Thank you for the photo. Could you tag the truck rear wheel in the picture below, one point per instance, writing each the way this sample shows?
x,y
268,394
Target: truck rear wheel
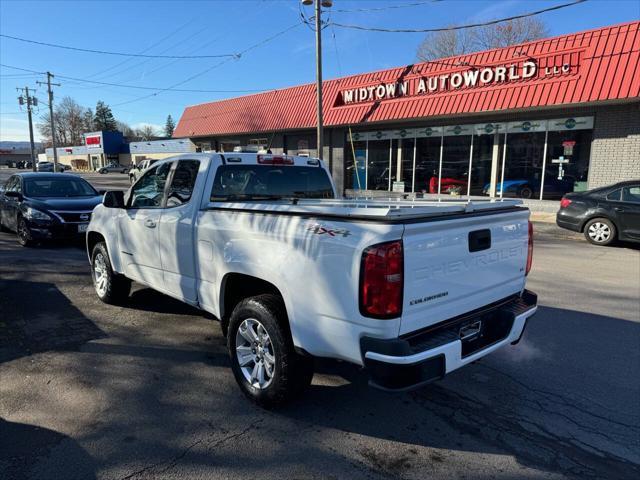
x,y
263,359
110,287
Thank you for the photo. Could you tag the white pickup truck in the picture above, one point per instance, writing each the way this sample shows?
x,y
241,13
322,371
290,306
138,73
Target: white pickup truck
x,y
411,290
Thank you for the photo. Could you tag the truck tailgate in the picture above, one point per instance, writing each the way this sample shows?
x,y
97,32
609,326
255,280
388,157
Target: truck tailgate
x,y
454,266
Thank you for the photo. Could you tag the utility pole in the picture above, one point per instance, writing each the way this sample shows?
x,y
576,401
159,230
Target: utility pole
x,y
318,12
320,133
53,130
30,101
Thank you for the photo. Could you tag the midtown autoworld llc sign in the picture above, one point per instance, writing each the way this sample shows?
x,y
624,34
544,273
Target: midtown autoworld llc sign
x,y
447,82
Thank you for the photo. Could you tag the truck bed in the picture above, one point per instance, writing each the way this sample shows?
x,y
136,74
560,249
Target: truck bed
x,y
375,210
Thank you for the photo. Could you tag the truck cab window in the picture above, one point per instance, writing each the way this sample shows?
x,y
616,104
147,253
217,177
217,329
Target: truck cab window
x,y
148,192
246,182
184,179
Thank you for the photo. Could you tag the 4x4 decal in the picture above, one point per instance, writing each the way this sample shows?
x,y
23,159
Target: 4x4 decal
x,y
332,232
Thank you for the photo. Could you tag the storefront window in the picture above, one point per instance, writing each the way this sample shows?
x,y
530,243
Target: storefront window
x,y
483,152
455,160
378,167
466,157
406,151
567,162
356,172
427,161
523,165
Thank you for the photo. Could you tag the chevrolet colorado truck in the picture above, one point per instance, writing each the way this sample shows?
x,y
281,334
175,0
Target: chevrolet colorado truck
x,y
409,290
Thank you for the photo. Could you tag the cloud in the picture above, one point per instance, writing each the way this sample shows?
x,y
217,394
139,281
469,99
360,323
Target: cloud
x,y
155,126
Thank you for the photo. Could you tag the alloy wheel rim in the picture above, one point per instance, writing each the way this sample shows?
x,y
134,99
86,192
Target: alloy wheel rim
x,y
100,274
599,232
254,352
22,231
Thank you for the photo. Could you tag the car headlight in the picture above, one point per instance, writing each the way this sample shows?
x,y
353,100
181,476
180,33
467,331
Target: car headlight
x,y
33,214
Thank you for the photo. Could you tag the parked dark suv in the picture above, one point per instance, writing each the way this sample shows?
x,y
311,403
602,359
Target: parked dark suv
x,y
605,214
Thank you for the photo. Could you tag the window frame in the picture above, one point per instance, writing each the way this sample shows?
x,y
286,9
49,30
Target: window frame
x,y
174,167
618,190
628,187
163,201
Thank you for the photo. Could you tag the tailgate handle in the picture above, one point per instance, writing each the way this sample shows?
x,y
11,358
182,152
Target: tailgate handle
x,y
479,240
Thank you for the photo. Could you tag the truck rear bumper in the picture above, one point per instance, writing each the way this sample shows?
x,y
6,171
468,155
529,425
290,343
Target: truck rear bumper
x,y
421,357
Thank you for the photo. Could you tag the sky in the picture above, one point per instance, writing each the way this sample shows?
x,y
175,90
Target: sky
x,y
218,27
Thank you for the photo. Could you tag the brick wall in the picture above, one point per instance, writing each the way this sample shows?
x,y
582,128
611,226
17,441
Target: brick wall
x,y
615,149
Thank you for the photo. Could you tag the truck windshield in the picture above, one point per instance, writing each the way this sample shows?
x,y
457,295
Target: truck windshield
x,y
58,187
264,182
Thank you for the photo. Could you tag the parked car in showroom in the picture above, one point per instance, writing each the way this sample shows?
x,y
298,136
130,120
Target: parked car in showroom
x,y
135,172
530,187
49,167
113,167
604,214
41,206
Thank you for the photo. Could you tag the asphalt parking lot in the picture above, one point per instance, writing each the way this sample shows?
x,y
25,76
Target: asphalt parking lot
x,y
145,391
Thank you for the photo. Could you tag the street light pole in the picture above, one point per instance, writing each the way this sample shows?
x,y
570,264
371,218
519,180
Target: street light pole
x,y
318,22
320,133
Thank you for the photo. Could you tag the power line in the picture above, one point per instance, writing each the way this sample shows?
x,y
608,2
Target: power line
x,y
21,69
121,54
122,85
138,87
388,7
459,27
154,44
219,64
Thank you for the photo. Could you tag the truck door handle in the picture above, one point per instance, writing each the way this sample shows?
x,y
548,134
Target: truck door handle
x,y
149,223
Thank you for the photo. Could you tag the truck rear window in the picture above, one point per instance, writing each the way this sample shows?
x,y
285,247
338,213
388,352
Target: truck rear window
x,y
259,182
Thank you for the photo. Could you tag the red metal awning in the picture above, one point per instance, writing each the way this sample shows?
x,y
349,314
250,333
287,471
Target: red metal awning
x,y
586,67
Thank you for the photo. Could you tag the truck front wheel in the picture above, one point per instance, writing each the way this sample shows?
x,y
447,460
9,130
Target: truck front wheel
x,y
264,361
110,287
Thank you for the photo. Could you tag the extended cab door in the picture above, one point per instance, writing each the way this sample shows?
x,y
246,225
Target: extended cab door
x,y
138,227
176,230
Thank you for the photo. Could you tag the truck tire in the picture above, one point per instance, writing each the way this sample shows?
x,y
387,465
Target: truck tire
x,y
111,287
263,359
600,231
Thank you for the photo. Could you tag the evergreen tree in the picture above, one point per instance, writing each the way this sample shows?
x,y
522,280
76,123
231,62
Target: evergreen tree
x,y
103,119
169,127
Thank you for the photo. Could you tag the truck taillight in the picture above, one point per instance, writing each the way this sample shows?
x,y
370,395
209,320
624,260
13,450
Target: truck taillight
x,y
530,249
275,160
565,202
381,280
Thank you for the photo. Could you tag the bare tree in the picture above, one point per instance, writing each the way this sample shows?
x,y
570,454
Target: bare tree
x,y
126,130
449,43
519,30
146,132
69,121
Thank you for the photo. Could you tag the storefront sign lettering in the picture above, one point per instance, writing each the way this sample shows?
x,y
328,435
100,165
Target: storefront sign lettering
x,y
473,77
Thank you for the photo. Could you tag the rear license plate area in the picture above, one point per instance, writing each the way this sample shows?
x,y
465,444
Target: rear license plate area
x,y
82,228
484,331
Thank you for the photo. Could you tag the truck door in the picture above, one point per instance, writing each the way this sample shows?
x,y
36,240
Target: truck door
x,y
138,226
176,231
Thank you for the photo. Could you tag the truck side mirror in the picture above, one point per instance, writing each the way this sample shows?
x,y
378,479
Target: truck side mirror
x,y
113,199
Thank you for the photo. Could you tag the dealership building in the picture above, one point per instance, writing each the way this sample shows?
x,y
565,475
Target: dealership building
x,y
533,120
